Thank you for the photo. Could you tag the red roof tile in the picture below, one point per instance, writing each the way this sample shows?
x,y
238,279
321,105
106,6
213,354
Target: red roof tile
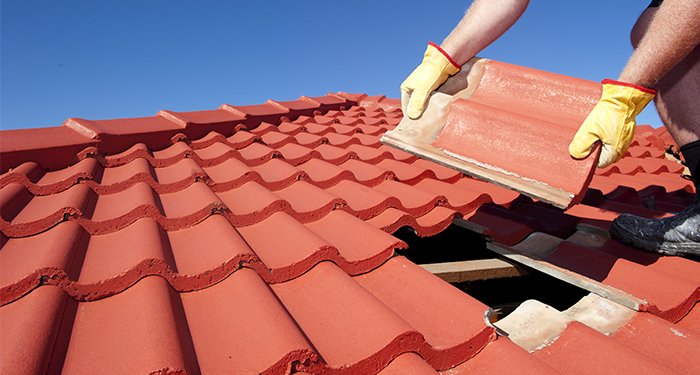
x,y
566,356
131,251
482,115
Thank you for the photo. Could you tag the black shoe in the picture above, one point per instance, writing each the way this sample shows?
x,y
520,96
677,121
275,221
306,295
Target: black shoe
x,y
675,235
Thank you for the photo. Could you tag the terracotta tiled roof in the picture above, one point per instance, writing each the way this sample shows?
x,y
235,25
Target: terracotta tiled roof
x,y
258,239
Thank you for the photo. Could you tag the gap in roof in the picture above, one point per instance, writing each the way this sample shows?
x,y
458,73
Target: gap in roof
x,y
503,293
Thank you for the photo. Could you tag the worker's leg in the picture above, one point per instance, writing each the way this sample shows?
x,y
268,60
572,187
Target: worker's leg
x,y
677,104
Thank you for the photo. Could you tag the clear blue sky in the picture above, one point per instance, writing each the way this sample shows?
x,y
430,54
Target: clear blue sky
x,y
117,59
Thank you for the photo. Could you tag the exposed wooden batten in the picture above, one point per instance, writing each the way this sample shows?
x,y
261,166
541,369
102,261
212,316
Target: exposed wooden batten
x,y
473,270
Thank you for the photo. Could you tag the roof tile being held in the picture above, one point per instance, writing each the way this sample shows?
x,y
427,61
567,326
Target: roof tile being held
x,y
511,126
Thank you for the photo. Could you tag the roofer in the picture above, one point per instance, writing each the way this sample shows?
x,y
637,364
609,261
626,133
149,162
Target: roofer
x,y
665,66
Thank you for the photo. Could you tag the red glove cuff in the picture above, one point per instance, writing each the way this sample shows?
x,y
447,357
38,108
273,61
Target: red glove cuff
x,y
640,88
446,55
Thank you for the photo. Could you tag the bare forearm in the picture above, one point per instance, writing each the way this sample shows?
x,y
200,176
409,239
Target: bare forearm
x,y
672,34
484,22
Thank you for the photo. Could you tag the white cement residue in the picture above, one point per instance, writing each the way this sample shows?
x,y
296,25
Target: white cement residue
x,y
501,170
677,332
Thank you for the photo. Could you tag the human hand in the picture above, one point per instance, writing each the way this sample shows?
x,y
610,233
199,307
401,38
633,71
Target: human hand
x,y
436,67
612,121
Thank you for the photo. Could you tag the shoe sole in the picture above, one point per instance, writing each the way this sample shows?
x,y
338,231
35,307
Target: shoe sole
x,y
665,248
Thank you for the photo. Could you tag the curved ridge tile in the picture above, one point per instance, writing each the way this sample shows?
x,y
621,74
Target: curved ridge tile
x,y
392,219
276,174
298,256
307,139
368,140
369,154
398,154
263,128
333,310
441,172
362,246
169,155
295,154
115,261
163,180
417,202
367,174
407,173
645,152
231,174
26,263
26,173
432,223
257,154
241,139
310,202
40,213
261,338
251,203
316,128
138,150
319,301
40,182
623,168
226,253
435,221
108,264
276,139
340,140
458,198
453,333
362,201
335,155
112,180
408,363
145,323
217,153
110,213
13,198
113,212
177,176
372,127
27,348
290,128
324,174
208,140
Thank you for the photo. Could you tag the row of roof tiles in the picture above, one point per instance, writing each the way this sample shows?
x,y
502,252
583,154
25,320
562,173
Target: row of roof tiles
x,y
145,253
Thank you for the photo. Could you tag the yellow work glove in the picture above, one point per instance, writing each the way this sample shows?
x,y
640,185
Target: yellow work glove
x,y
436,67
612,121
